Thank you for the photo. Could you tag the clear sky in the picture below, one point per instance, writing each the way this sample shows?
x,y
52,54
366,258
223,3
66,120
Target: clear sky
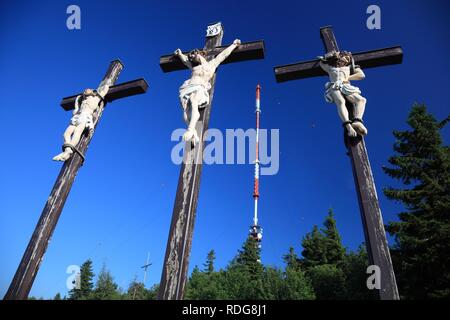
x,y
121,202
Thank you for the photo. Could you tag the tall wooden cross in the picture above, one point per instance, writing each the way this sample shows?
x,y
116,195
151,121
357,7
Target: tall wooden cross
x,y
175,268
375,236
31,260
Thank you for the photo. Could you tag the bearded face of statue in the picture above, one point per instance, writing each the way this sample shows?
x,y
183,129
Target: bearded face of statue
x,y
194,57
339,59
88,92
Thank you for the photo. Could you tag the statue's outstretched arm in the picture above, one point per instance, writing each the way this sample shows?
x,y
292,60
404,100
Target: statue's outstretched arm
x,y
225,53
183,58
358,75
77,104
103,88
325,67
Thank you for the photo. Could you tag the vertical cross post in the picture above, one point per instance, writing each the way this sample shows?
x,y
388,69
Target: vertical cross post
x,y
176,261
375,235
34,253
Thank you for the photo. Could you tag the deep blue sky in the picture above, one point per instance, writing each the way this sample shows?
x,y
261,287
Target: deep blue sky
x,y
121,203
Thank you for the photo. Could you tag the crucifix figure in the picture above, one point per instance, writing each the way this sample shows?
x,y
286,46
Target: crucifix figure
x,y
199,90
194,91
341,67
86,105
93,107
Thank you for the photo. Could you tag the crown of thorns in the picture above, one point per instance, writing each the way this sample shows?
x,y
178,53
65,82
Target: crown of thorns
x,y
336,54
197,51
90,93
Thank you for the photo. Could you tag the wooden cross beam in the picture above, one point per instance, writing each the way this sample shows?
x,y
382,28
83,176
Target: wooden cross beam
x,y
175,268
246,51
119,91
31,260
311,68
366,59
375,236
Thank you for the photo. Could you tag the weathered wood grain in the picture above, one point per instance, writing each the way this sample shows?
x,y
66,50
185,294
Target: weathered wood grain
x,y
119,91
246,51
374,233
366,59
34,253
375,236
176,261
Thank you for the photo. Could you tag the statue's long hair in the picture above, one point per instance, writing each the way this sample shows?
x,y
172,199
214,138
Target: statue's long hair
x,y
92,93
195,52
339,59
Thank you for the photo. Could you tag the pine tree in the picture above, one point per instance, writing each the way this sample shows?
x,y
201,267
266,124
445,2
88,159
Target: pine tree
x,y
328,282
314,248
297,286
152,293
209,265
86,285
195,284
249,257
354,266
244,276
422,164
205,285
292,260
57,296
136,291
105,287
323,256
274,284
334,249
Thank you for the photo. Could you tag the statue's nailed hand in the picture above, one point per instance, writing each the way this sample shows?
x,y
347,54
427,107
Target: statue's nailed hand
x,y
237,42
178,52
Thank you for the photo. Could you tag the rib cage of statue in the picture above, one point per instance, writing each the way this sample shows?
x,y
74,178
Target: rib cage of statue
x,y
86,105
341,69
194,92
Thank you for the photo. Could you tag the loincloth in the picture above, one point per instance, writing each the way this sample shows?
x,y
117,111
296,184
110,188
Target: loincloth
x,y
345,88
83,118
201,92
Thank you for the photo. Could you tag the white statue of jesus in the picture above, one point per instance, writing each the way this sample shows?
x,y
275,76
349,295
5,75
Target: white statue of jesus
x,y
341,70
194,91
86,104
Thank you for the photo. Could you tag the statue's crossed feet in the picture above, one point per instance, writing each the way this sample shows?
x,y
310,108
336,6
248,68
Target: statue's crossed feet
x,y
360,128
63,156
350,131
191,135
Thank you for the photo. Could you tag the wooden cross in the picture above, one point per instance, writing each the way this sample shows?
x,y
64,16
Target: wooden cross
x,y
375,236
29,265
175,268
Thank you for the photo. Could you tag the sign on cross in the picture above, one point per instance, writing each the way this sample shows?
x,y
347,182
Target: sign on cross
x,y
175,268
31,260
375,236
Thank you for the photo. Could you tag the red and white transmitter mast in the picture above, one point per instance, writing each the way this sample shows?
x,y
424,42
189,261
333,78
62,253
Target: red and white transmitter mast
x,y
256,230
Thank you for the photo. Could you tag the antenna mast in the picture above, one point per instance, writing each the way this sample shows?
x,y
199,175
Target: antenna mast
x,y
256,230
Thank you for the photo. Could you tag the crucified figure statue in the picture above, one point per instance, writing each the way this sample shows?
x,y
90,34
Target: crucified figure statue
x,y
86,105
341,69
194,91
